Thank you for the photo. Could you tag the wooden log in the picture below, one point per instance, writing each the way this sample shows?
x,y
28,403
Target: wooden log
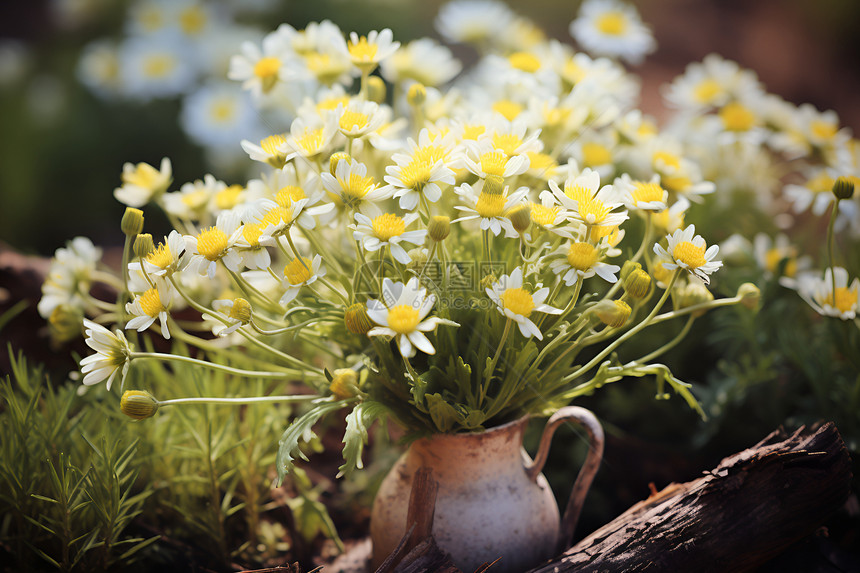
x,y
750,508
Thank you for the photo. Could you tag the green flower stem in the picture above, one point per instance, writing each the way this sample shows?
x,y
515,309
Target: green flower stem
x,y
626,336
495,360
252,292
669,345
327,256
211,365
381,269
250,400
108,279
100,304
485,246
429,258
695,308
292,360
123,294
833,213
646,239
208,346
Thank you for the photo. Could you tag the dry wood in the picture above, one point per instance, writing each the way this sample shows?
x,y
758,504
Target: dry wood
x,y
749,509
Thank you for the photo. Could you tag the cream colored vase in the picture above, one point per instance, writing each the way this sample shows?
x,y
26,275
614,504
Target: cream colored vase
x,y
492,502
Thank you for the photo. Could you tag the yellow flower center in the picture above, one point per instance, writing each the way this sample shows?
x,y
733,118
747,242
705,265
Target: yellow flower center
x,y
229,197
593,211
158,65
267,68
541,163
845,299
507,108
150,18
161,257
429,154
331,103
324,67
594,154
352,120
416,174
211,243
287,195
596,233
251,233
354,189
775,256
582,256
192,20
403,318
737,117
669,159
195,199
544,215
311,140
524,61
518,301
222,110
362,51
298,270
387,226
646,192
490,205
707,90
271,144
493,163
277,215
572,71
473,131
689,254
144,175
507,142
823,129
150,303
677,182
612,23
821,183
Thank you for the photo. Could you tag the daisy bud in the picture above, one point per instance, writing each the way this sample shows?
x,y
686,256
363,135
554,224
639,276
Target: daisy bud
x,y
356,319
612,313
693,293
138,404
132,221
143,245
637,283
417,95
749,295
488,281
494,185
439,228
661,274
375,89
241,310
344,384
418,258
337,158
65,323
521,217
843,188
627,268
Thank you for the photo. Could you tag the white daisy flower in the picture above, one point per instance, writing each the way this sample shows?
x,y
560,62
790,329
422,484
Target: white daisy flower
x,y
819,294
588,202
70,276
816,193
403,314
596,150
192,199
113,355
549,214
299,272
271,150
518,304
490,208
387,230
483,159
710,83
156,67
98,68
249,245
770,253
234,312
424,61
677,174
218,115
142,182
351,188
309,137
261,70
214,244
686,250
581,260
359,118
421,170
473,21
612,28
152,305
165,260
366,52
671,219
643,195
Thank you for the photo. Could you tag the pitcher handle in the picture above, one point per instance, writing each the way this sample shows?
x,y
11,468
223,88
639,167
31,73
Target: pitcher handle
x,y
586,475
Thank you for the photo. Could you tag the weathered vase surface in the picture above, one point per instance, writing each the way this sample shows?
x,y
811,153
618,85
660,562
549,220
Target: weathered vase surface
x,y
487,507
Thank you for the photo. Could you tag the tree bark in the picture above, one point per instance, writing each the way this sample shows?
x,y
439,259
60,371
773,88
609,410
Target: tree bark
x,y
749,509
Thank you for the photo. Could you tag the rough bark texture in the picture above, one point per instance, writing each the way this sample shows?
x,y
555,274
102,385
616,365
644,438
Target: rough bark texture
x,y
746,511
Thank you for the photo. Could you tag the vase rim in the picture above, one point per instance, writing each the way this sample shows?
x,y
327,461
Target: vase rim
x,y
495,430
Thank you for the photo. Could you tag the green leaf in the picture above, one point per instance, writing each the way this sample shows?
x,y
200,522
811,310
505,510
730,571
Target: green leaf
x,y
301,430
355,436
443,414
